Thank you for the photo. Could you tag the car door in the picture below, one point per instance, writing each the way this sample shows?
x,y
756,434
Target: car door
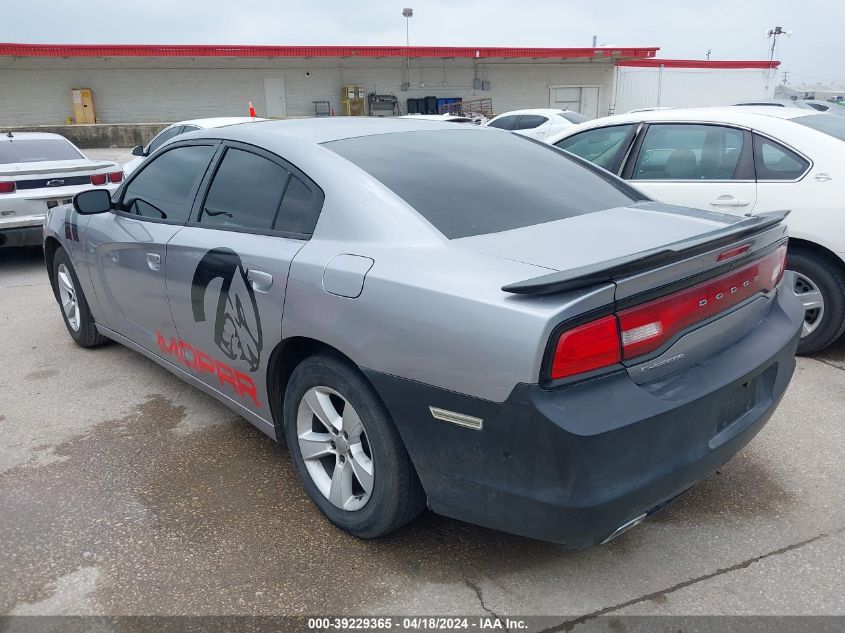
x,y
227,270
126,249
698,165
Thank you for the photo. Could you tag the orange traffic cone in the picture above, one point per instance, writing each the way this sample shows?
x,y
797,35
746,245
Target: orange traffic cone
x,y
251,110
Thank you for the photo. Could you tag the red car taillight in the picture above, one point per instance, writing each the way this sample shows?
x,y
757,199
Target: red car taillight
x,y
99,179
645,328
7,187
116,176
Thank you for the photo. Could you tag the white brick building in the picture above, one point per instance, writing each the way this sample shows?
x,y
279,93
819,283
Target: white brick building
x,y
134,84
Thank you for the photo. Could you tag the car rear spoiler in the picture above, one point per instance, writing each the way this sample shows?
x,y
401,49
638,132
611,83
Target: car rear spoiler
x,y
613,269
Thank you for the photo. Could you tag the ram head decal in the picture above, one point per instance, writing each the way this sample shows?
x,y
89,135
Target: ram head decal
x,y
237,326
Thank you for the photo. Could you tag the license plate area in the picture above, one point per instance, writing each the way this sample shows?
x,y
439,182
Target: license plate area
x,y
745,403
57,201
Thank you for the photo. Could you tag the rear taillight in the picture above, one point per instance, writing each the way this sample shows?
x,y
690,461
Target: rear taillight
x,y
99,179
116,176
645,328
590,346
7,187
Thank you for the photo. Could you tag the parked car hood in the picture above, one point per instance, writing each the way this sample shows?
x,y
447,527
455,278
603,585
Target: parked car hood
x,y
597,237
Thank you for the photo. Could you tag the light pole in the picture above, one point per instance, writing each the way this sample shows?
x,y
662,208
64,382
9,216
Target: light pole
x,y
773,34
407,14
708,54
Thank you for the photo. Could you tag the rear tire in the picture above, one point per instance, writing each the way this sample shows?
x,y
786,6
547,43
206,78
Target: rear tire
x,y
820,284
358,472
77,315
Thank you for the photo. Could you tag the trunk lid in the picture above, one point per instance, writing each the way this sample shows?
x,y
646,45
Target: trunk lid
x,y
19,170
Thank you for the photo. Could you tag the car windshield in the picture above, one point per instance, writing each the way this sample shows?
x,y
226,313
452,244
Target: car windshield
x,y
829,124
574,117
36,150
472,182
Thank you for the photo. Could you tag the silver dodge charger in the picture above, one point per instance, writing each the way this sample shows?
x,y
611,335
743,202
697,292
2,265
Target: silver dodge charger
x,y
440,316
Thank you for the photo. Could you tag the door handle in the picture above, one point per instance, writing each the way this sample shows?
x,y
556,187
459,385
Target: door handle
x,y
154,261
261,281
729,201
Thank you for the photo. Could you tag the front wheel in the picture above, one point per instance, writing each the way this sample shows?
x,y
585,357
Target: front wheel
x,y
347,450
75,311
820,285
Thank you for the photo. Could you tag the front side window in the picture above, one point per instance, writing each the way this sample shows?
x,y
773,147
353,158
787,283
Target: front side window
x,y
688,152
470,182
530,121
245,192
164,136
600,145
164,187
772,161
505,122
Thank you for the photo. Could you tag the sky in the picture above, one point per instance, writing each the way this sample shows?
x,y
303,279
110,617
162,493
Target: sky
x,y
683,29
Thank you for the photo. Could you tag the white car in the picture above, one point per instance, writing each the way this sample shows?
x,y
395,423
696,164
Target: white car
x,y
39,171
744,161
448,118
825,106
140,152
537,123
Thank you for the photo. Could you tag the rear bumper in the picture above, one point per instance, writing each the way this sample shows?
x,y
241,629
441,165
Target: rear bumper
x,y
573,465
22,235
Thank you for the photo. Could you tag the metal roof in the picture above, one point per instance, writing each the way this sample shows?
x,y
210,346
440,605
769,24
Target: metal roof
x,y
653,62
208,50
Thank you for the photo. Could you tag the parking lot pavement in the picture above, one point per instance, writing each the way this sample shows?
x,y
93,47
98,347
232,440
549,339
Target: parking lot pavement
x,y
125,491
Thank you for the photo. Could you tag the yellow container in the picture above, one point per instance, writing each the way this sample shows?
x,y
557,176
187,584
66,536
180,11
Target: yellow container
x,y
83,105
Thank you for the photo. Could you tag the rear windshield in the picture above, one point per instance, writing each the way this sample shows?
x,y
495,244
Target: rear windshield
x,y
473,181
574,117
35,150
830,124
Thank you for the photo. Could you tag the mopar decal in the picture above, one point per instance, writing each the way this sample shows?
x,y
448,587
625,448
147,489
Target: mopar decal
x,y
237,326
198,360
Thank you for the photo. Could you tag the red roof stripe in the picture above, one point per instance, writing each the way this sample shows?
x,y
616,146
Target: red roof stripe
x,y
698,63
197,50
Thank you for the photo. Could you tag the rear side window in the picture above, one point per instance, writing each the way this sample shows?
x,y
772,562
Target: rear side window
x,y
505,122
688,152
530,121
471,182
773,161
600,146
163,137
36,150
245,192
164,187
299,209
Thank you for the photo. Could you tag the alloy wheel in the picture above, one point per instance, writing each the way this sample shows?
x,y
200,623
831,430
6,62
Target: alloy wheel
x,y
67,296
334,446
811,297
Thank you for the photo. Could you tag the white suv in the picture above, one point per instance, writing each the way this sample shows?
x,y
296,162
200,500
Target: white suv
x,y
537,123
743,160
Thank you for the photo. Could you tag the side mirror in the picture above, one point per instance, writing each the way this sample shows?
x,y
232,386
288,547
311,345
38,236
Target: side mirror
x,y
138,150
92,201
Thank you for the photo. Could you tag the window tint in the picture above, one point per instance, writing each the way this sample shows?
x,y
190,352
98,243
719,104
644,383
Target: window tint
x,y
530,121
449,178
245,192
600,146
189,128
831,125
505,122
163,188
573,117
298,213
773,161
688,152
166,135
35,150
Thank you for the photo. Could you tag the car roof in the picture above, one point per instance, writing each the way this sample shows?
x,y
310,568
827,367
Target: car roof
x,y
22,136
219,121
326,129
545,111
